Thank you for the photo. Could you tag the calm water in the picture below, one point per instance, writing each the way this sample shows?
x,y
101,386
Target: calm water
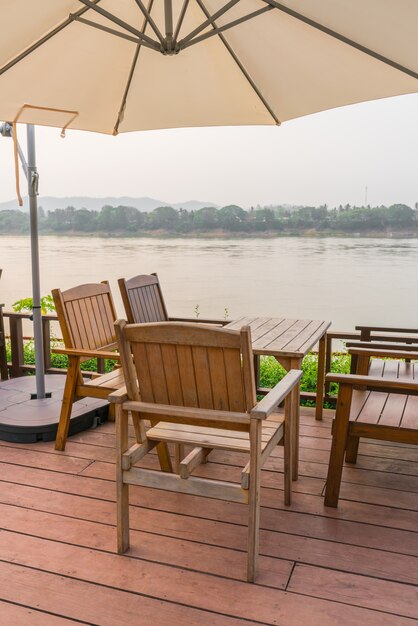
x,y
348,281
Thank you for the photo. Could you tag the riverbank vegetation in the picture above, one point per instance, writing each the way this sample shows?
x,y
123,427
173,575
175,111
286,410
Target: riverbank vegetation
x,y
124,220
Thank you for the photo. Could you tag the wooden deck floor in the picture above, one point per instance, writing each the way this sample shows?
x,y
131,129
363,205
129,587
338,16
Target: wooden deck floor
x,y
353,565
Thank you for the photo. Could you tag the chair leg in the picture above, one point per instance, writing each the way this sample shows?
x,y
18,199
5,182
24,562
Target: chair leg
x,y
287,451
178,455
163,453
338,446
352,449
164,457
295,364
111,413
254,499
122,489
67,402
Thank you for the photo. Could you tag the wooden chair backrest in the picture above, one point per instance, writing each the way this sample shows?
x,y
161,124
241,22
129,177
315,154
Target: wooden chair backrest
x,y
143,299
86,315
188,365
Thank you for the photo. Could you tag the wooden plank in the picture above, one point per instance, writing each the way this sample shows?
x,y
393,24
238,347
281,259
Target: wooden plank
x,y
218,378
372,408
275,329
205,438
188,381
236,394
410,415
296,336
63,595
262,334
314,337
192,460
101,576
178,333
217,523
156,372
192,486
364,591
202,556
172,374
203,383
23,616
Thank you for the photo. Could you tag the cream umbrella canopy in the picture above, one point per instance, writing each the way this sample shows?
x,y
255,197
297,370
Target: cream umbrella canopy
x,y
114,66
124,65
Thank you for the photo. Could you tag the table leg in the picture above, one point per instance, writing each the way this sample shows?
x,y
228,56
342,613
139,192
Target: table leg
x,y
320,386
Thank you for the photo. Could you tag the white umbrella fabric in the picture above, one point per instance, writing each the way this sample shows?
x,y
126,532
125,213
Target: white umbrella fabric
x,y
114,66
124,65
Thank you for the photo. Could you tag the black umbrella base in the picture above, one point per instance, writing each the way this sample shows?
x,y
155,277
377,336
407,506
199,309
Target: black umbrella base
x,y
25,419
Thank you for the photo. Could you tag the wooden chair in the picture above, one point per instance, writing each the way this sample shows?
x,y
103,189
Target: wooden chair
x,y
197,386
379,401
86,315
383,338
143,300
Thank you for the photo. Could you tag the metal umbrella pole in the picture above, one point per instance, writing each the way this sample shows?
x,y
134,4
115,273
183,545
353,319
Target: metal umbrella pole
x,y
31,173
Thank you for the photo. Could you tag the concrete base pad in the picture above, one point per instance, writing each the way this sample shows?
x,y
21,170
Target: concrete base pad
x,y
23,420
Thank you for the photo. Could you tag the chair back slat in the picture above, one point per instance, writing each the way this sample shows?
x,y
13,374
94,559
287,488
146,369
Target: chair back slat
x,y
86,315
143,299
192,365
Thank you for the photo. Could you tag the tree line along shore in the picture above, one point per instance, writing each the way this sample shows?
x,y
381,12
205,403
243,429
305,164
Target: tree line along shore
x,y
125,220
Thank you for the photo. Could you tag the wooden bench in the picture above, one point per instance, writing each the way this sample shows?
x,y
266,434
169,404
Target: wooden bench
x,y
380,401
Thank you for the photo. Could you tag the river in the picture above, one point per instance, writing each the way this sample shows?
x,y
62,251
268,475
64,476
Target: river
x,y
346,280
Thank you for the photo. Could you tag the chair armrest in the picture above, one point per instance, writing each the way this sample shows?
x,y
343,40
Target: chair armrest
x,y
190,414
384,329
396,384
402,353
119,396
87,354
274,397
199,321
371,345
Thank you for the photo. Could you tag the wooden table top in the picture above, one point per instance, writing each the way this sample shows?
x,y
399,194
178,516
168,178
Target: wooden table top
x,y
282,337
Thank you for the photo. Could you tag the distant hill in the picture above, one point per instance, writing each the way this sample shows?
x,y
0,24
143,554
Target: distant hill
x,y
50,203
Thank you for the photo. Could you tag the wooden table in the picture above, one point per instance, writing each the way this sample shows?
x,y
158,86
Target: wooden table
x,y
289,341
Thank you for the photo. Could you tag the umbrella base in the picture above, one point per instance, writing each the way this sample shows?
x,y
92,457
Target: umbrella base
x,y
24,419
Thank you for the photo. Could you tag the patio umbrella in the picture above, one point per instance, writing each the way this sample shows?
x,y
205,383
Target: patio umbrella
x,y
113,66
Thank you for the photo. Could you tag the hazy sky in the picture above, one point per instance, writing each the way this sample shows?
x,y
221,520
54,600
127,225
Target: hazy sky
x,y
328,158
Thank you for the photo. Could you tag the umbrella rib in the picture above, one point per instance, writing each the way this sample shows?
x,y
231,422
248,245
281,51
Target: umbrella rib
x,y
112,31
131,73
180,19
342,38
209,21
238,62
221,29
43,39
119,22
148,17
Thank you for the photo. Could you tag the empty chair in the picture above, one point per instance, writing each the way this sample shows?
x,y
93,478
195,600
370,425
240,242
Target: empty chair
x,y
197,387
86,315
379,401
143,300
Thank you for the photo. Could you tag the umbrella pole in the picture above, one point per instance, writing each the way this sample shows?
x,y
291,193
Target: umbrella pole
x,y
33,177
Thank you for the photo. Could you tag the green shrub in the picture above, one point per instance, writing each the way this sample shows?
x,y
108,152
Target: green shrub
x,y
271,372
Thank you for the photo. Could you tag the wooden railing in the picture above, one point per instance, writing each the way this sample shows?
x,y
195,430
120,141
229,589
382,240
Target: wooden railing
x,y
17,366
